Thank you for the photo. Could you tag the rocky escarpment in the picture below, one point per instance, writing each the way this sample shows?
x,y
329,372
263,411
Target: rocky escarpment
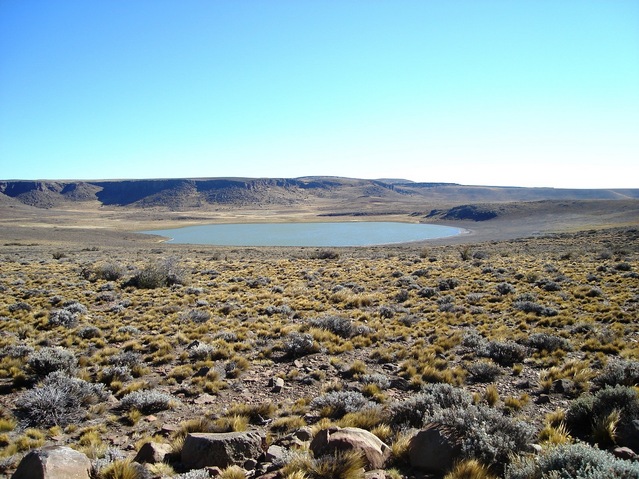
x,y
180,194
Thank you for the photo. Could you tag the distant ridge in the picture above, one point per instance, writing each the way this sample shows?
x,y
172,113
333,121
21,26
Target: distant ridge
x,y
189,193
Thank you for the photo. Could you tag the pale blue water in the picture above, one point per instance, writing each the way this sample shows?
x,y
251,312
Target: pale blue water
x,y
306,234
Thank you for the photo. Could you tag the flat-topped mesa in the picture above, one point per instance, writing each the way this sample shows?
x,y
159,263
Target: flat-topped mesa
x,y
184,193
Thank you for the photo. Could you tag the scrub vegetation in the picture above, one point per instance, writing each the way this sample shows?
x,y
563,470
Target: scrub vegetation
x,y
507,344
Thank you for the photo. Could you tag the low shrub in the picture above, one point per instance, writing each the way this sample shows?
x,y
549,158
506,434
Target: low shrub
x,y
197,316
68,315
486,434
505,353
89,332
52,359
380,380
433,397
619,372
617,406
337,403
131,359
159,274
505,288
324,254
447,284
483,372
108,271
573,461
59,401
147,401
547,342
533,307
297,345
336,324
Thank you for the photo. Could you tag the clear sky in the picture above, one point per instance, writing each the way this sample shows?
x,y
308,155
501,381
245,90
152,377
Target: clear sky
x,y
510,92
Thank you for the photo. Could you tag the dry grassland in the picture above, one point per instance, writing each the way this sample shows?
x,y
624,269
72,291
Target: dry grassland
x,y
152,341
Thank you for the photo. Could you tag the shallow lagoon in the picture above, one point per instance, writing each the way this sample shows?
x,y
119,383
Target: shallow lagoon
x,y
365,233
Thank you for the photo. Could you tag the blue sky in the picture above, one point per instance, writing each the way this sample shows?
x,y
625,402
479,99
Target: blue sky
x,y
524,93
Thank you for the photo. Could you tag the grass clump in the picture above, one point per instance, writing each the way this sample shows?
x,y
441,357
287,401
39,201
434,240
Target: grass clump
x,y
340,465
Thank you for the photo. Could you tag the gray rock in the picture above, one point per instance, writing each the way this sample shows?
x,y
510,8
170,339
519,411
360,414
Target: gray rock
x,y
221,449
276,384
53,462
628,434
335,439
275,453
624,453
434,449
152,453
376,474
303,434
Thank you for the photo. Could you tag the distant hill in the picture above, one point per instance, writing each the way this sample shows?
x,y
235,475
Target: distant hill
x,y
186,194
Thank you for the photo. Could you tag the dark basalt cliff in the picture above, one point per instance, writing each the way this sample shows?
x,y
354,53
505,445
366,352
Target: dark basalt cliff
x,y
179,194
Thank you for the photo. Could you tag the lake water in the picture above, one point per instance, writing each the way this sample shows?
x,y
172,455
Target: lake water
x,y
306,234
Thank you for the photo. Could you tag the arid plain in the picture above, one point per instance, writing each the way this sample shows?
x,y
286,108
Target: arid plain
x,y
518,338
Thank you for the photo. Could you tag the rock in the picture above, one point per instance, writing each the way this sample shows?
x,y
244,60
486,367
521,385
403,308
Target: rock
x,y
535,449
564,386
53,462
401,383
334,439
434,449
275,453
543,399
624,453
376,474
303,434
204,398
628,434
221,449
276,384
152,453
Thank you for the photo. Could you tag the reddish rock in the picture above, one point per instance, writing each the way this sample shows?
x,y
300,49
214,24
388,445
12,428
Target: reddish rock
x,y
335,439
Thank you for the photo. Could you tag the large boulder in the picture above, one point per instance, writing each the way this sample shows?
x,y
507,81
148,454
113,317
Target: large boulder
x,y
221,449
53,462
336,439
152,453
434,449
